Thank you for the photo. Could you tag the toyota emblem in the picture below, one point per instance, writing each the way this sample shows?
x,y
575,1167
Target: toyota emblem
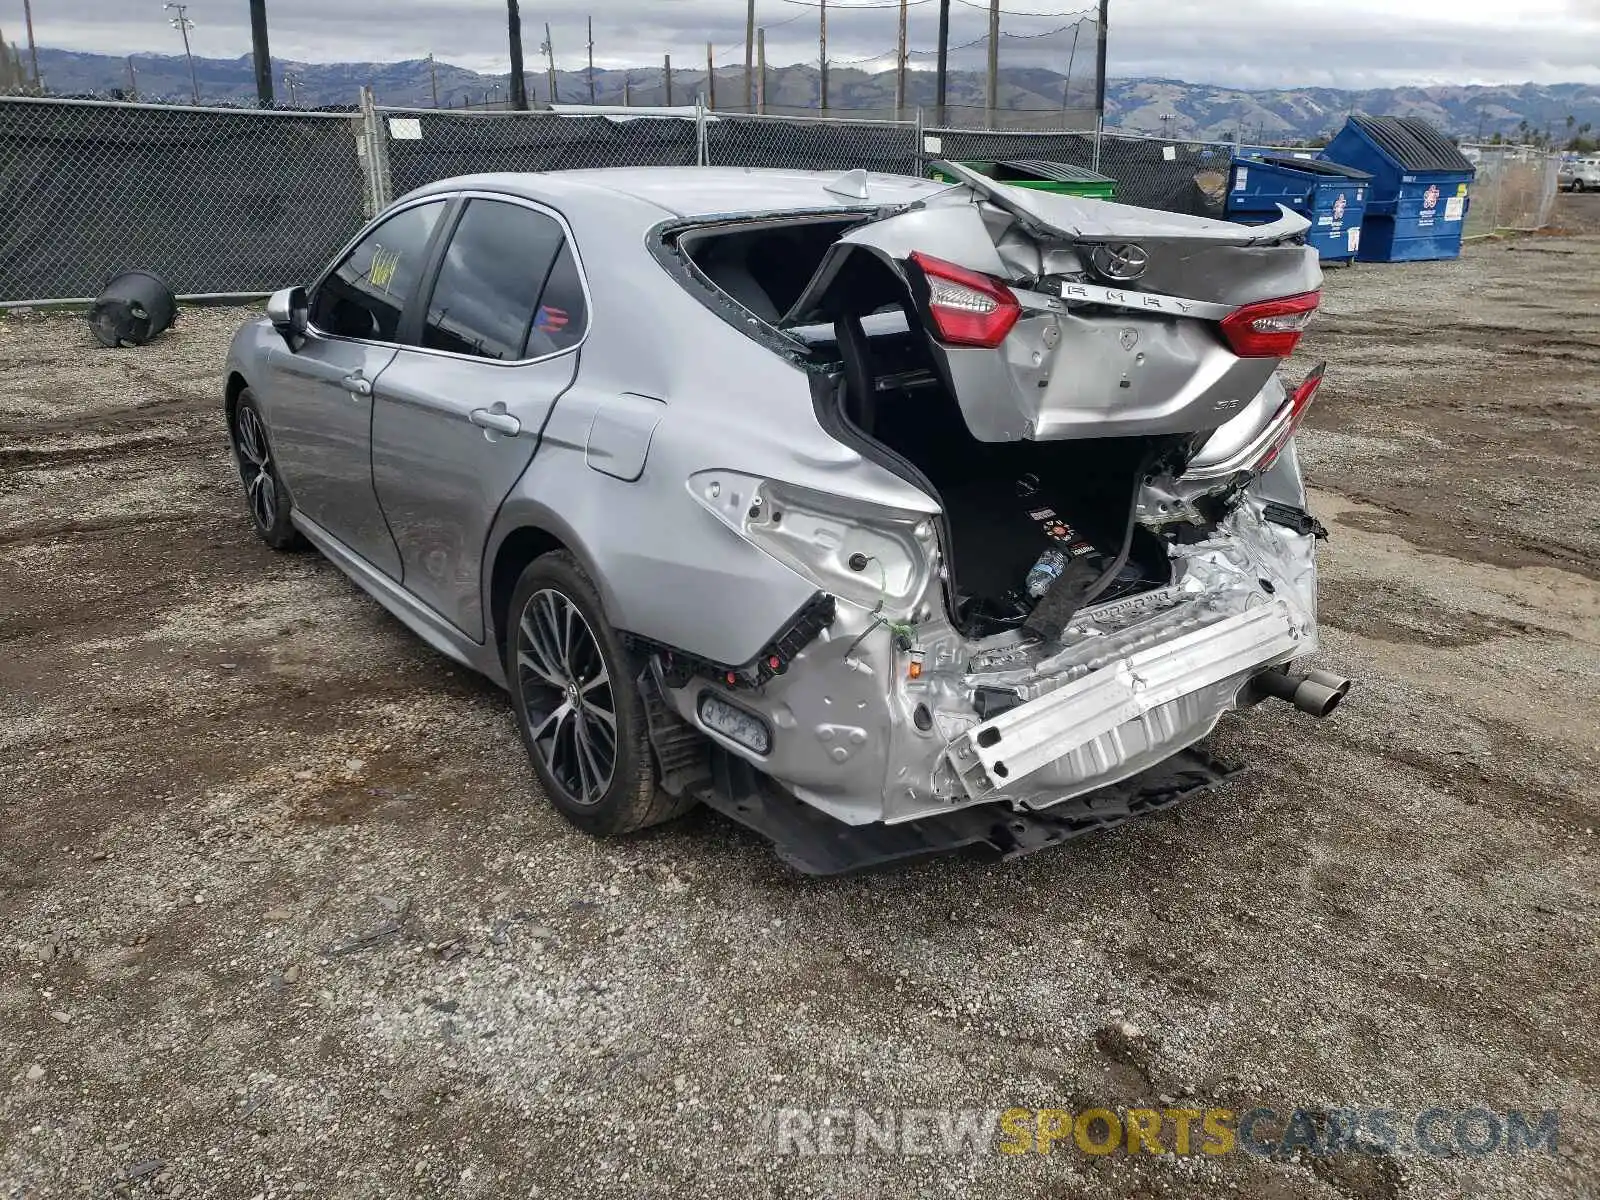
x,y
1123,261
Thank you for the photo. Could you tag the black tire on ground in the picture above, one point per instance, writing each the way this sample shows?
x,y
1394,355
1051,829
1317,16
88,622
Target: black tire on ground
x,y
572,683
265,496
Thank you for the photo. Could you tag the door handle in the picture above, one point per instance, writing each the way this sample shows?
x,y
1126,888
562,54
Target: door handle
x,y
357,384
499,422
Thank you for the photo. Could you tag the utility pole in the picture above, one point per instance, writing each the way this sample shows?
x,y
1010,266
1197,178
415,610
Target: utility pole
x,y
942,77
591,60
519,82
666,76
549,49
711,80
992,99
433,78
749,55
1100,81
262,55
900,66
133,80
822,36
761,71
33,49
182,24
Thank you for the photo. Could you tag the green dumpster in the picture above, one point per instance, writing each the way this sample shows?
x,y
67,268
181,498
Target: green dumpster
x,y
1045,176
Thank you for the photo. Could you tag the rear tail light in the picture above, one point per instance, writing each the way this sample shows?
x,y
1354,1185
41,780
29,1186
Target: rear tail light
x,y
1299,400
967,309
1270,329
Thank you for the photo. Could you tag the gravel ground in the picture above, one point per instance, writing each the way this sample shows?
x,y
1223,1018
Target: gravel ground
x,y
282,913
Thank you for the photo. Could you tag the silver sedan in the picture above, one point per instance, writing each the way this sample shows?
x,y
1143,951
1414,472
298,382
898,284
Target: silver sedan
x,y
883,515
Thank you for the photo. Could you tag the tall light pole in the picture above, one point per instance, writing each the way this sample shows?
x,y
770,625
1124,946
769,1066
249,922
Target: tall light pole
x,y
260,53
900,67
992,92
749,57
33,50
1100,81
822,59
942,79
182,24
519,82
289,82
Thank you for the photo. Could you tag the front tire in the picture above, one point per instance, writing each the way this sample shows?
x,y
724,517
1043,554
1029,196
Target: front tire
x,y
264,492
1577,185
579,711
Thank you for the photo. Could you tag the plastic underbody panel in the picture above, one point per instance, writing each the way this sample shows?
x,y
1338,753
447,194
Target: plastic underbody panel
x,y
816,844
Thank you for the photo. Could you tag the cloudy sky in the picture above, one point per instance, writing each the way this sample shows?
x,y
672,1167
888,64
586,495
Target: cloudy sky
x,y
1242,43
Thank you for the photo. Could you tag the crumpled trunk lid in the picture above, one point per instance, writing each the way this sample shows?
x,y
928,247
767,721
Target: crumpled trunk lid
x,y
1118,331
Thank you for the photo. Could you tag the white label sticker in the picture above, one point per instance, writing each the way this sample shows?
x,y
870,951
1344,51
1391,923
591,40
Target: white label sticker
x,y
932,144
1240,178
405,129
1454,206
1353,239
1170,153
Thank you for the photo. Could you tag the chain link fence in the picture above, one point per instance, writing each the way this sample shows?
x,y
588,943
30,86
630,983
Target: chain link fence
x,y
239,202
216,201
1515,188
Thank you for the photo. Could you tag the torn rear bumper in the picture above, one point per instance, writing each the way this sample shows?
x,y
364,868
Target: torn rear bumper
x,y
1092,727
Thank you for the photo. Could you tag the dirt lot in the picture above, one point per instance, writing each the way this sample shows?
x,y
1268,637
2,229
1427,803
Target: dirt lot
x,y
281,912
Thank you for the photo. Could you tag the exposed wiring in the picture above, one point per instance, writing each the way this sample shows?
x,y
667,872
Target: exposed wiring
x,y
900,631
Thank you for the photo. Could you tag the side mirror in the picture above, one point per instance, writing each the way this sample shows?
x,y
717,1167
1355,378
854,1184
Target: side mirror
x,y
286,310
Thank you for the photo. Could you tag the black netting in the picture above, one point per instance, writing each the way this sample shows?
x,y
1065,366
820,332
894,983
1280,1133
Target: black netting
x,y
210,201
811,145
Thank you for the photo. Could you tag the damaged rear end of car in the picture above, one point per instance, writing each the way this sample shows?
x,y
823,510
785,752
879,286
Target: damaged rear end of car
x,y
1114,552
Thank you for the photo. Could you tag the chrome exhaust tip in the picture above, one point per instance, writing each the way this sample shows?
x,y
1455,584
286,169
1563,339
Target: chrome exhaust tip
x,y
1315,692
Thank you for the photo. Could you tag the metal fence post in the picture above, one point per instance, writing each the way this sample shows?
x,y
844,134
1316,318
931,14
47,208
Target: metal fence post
x,y
375,156
917,128
702,150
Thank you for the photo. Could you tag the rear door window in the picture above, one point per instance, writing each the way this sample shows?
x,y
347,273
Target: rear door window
x,y
366,294
487,300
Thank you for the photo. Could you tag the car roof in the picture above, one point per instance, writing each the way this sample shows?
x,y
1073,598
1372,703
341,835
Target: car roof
x,y
704,191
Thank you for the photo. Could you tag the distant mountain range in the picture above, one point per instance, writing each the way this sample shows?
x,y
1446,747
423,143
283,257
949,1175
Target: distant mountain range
x,y
1027,97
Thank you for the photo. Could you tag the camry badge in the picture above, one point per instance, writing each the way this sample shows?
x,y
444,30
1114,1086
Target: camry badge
x,y
1123,262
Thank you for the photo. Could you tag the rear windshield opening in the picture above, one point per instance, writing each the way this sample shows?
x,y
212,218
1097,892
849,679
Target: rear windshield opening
x,y
764,266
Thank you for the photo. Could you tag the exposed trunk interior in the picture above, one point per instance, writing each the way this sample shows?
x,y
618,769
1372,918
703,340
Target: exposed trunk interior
x,y
1006,504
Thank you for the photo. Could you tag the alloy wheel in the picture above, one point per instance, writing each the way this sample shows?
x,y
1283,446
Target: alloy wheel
x,y
255,468
567,695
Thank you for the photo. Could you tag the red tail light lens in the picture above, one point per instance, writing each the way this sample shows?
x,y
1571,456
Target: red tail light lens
x,y
1270,329
967,309
1299,400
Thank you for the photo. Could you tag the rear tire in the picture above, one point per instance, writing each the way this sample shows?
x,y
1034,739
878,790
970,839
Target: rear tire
x,y
578,708
1577,185
264,493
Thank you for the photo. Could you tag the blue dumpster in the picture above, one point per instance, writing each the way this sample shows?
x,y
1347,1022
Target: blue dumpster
x,y
1417,207
1331,196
